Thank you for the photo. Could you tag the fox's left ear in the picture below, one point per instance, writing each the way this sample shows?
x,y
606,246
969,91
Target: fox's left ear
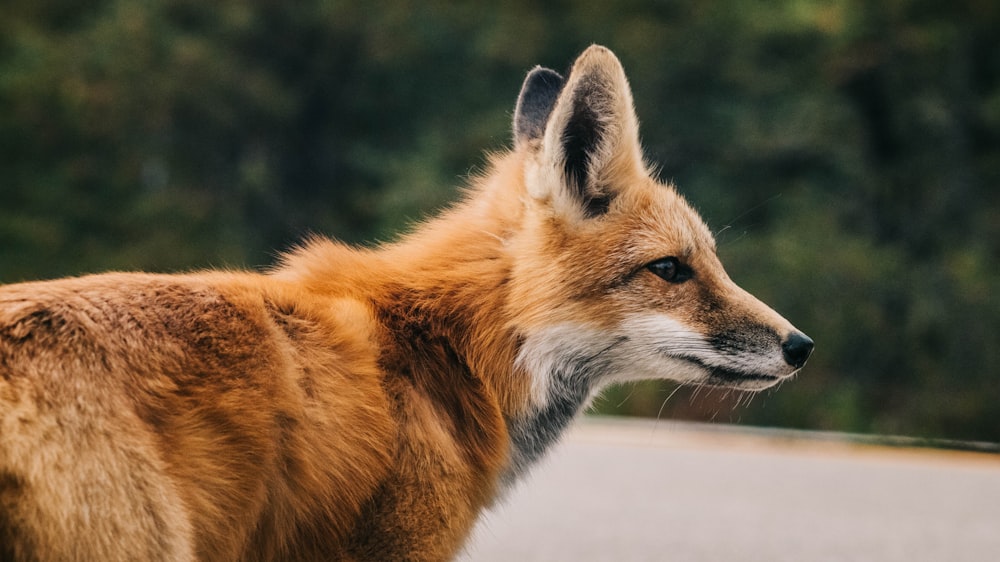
x,y
590,146
534,105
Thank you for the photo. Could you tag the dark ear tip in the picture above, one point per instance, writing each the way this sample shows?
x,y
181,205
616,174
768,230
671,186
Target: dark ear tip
x,y
534,104
547,74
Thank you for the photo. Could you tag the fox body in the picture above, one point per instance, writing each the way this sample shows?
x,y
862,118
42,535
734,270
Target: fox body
x,y
367,404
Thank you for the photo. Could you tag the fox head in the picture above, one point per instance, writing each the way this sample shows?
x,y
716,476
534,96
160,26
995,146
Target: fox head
x,y
641,293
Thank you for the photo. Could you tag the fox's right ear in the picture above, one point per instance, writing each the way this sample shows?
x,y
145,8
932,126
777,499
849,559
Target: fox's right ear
x,y
589,149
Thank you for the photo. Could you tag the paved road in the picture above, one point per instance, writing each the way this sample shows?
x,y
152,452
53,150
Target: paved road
x,y
638,491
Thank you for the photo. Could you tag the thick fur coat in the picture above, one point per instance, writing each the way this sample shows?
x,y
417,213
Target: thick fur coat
x,y
367,404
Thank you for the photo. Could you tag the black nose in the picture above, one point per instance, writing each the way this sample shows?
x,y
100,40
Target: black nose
x,y
796,349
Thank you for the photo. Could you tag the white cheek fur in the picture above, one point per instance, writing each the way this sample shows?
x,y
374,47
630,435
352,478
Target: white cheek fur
x,y
569,363
643,346
545,352
667,337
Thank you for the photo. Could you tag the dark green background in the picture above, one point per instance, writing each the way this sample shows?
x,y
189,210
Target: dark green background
x,y
847,153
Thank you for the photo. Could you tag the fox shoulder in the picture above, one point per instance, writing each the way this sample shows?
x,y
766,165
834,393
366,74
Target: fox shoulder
x,y
246,377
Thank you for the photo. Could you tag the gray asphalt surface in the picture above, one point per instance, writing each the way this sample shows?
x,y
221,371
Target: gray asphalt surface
x,y
637,491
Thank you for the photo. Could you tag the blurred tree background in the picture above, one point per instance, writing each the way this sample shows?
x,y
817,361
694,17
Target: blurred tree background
x,y
847,153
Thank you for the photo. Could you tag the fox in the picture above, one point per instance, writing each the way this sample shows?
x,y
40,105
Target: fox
x,y
368,403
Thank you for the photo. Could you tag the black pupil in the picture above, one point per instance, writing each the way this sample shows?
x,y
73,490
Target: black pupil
x,y
665,268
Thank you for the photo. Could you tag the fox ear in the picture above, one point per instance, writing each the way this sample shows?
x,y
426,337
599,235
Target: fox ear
x,y
538,96
590,147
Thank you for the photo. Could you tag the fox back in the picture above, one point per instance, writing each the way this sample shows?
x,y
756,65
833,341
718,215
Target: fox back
x,y
367,404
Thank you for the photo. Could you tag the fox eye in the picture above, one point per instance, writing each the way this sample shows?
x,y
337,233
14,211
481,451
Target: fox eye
x,y
670,270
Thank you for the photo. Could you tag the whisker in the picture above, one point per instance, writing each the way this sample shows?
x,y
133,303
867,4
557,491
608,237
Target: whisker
x,y
754,208
742,235
627,396
664,405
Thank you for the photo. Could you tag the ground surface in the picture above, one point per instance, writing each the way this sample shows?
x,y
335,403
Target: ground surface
x,y
634,491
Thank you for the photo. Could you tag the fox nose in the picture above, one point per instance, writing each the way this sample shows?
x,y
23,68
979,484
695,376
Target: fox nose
x,y
796,349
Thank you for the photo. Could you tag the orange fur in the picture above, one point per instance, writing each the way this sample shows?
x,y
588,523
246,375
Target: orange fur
x,y
359,404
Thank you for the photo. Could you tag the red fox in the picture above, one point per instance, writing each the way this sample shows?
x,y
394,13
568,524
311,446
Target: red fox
x,y
367,404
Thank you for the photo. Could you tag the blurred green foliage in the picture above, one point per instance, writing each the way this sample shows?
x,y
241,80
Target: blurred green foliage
x,y
847,153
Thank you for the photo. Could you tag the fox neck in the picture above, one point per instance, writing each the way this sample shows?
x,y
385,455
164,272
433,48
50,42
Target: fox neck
x,y
448,282
539,383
